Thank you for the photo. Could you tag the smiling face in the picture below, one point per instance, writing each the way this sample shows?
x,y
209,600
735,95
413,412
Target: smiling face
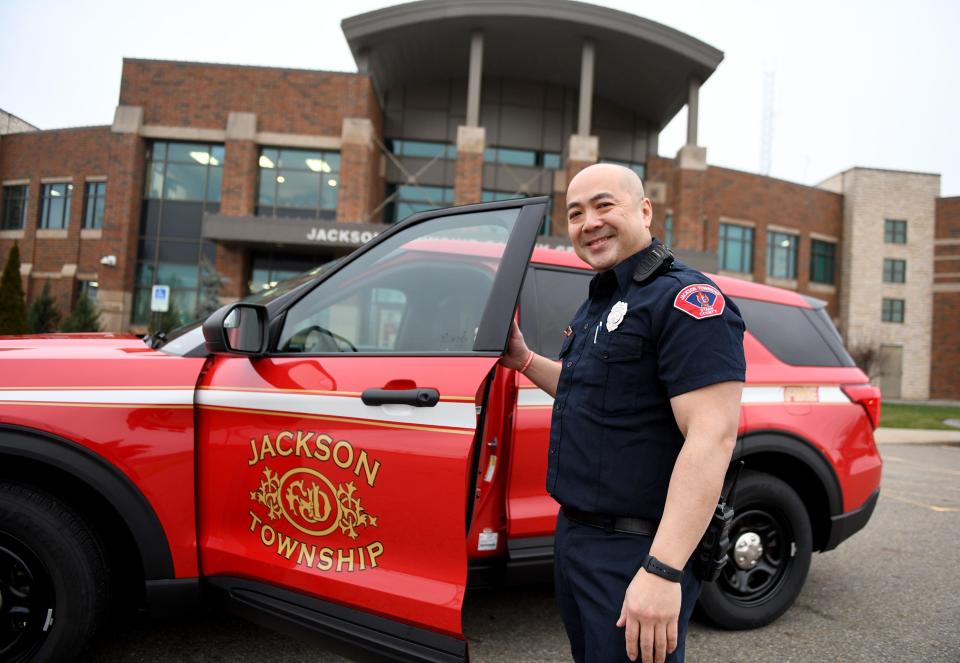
x,y
608,216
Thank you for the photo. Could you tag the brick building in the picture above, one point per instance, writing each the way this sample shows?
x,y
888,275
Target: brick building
x,y
219,180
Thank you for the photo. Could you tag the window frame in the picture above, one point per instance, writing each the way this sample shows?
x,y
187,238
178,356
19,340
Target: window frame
x,y
830,256
5,201
893,310
46,203
152,160
746,252
99,200
774,236
894,231
274,209
894,270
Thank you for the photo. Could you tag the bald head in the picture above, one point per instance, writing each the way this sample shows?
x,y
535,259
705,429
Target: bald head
x,y
628,181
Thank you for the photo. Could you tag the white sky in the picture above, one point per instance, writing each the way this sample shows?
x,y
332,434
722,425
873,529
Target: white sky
x,y
856,83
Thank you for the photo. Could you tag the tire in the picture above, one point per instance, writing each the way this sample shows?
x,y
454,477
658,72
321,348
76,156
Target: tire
x,y
745,596
53,577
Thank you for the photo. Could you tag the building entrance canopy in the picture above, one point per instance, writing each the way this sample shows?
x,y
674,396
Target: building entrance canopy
x,y
643,65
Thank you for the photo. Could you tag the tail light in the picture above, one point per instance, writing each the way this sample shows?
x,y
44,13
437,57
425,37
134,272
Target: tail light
x,y
868,396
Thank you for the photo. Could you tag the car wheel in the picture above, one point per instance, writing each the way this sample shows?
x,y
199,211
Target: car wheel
x,y
53,579
771,544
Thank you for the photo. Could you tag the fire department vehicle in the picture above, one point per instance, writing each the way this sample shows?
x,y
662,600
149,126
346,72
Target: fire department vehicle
x,y
343,452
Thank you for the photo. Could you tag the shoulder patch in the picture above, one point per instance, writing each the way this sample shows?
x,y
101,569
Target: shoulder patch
x,y
700,300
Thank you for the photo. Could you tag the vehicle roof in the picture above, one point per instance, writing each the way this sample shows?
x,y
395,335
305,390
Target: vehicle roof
x,y
731,286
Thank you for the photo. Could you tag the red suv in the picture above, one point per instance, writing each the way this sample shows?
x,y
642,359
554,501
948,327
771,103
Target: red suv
x,y
343,452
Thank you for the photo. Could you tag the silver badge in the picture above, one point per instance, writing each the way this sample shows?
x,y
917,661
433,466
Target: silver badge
x,y
616,315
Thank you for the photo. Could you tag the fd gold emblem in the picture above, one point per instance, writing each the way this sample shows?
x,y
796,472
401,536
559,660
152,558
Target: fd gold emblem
x,y
309,502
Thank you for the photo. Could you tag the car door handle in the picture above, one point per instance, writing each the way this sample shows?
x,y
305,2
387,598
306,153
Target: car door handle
x,y
414,397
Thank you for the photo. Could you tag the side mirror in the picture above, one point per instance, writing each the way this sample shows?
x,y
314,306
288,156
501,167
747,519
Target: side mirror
x,y
237,329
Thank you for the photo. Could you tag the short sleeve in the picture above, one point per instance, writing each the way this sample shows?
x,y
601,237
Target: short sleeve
x,y
698,348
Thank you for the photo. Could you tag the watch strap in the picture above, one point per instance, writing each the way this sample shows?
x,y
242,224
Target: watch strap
x,y
653,565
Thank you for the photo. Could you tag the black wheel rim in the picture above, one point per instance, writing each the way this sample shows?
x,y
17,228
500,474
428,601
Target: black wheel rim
x,y
756,585
26,600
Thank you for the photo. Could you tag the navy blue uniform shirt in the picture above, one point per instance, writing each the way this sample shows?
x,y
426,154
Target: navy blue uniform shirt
x,y
634,346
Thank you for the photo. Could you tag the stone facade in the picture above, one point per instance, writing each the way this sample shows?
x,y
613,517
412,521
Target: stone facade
x,y
869,198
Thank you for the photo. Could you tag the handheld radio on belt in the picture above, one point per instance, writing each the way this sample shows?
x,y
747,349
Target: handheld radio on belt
x,y
711,554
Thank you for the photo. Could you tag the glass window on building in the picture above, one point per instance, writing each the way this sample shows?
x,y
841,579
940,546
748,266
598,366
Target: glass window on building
x,y
269,269
892,310
487,196
735,248
639,168
423,149
93,203
14,207
668,229
894,231
781,255
551,160
298,183
55,206
184,171
183,182
88,289
510,156
413,198
894,271
823,260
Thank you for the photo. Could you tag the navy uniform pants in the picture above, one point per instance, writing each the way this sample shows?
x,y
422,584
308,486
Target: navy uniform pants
x,y
592,569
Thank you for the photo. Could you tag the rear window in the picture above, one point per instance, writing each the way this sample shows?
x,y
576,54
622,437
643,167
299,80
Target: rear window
x,y
796,336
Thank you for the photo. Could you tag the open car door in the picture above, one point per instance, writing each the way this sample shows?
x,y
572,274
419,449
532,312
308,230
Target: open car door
x,y
336,466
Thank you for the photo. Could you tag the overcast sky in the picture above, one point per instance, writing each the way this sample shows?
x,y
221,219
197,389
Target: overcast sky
x,y
855,83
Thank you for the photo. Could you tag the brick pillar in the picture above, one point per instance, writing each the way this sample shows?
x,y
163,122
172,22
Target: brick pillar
x,y
237,198
582,151
240,165
121,221
689,180
468,181
360,185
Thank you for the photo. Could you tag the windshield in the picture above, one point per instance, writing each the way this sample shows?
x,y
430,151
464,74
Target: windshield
x,y
181,340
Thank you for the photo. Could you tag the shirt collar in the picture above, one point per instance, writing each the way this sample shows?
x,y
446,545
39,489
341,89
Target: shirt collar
x,y
621,275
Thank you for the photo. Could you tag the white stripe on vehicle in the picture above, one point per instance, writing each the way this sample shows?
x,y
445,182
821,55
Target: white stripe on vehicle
x,y
759,395
445,414
99,396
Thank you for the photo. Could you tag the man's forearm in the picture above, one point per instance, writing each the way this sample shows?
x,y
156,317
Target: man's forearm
x,y
695,487
544,373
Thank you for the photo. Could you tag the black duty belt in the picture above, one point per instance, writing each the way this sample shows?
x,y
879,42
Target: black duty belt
x,y
621,524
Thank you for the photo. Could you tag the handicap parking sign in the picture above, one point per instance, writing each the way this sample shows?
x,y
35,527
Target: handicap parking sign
x,y
160,299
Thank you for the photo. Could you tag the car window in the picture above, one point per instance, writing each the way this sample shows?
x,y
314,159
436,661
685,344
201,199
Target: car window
x,y
417,292
796,336
555,296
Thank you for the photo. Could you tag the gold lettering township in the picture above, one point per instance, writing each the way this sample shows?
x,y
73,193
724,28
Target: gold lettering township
x,y
311,556
323,449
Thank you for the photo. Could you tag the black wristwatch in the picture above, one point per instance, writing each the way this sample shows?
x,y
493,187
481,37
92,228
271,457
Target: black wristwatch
x,y
653,565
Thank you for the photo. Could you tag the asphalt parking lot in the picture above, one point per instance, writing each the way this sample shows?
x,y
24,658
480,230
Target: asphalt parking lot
x,y
890,593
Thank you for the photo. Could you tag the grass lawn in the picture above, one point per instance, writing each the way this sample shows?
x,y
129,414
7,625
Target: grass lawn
x,y
897,415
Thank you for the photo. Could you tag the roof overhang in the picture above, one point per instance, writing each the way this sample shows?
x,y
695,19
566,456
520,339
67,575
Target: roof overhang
x,y
641,65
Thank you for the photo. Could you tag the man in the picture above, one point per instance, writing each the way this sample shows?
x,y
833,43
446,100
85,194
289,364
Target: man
x,y
646,409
